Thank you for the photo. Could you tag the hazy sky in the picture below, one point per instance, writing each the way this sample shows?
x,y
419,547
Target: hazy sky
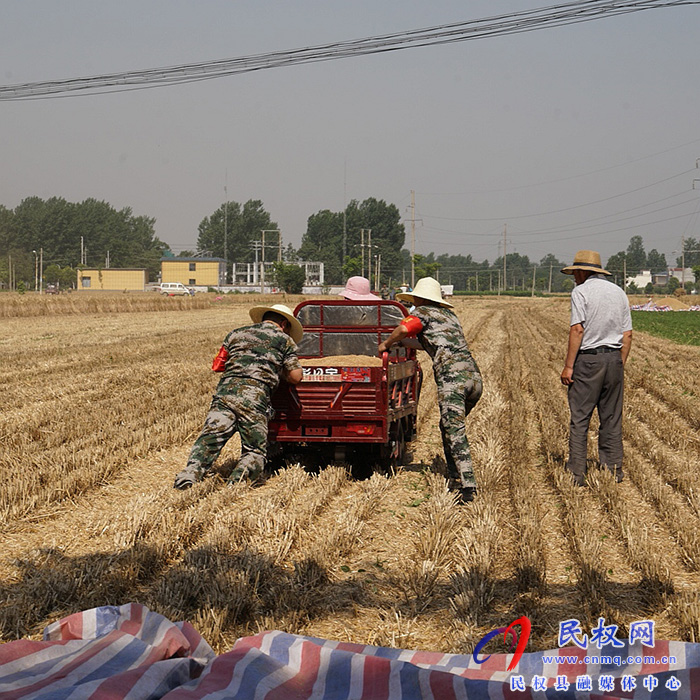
x,y
572,137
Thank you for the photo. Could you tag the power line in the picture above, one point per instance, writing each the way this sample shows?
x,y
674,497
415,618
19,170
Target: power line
x,y
560,211
499,25
559,179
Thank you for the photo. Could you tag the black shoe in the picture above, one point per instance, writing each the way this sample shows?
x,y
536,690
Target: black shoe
x,y
467,494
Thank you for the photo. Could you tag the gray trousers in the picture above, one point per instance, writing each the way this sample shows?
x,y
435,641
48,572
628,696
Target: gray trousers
x,y
598,383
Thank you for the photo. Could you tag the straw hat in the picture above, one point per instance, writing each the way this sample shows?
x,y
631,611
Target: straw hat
x,y
426,288
586,260
296,331
358,289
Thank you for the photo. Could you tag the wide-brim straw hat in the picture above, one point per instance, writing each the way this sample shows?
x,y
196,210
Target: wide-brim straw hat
x,y
586,260
296,331
427,288
358,289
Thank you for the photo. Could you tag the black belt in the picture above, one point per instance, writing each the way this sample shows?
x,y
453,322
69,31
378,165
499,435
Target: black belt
x,y
595,351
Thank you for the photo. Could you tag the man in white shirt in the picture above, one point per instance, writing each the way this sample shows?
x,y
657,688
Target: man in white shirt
x,y
600,338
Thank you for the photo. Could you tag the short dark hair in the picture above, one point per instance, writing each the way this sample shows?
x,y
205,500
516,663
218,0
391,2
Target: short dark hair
x,y
274,316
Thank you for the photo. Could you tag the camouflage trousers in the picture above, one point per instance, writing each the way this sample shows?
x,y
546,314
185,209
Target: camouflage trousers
x,y
457,395
244,410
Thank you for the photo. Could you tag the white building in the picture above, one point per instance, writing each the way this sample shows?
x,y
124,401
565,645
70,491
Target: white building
x,y
255,274
661,278
682,274
641,280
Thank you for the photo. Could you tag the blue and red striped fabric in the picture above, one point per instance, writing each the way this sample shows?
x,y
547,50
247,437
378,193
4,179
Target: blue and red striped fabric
x,y
130,653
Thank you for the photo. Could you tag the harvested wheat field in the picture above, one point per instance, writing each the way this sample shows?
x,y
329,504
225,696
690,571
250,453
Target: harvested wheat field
x,y
100,408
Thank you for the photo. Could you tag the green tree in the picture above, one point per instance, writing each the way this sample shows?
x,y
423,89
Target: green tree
x,y
636,256
383,235
568,285
323,241
64,277
290,253
518,270
230,232
425,266
6,230
656,262
352,267
458,270
65,230
616,266
289,277
387,234
692,253
551,264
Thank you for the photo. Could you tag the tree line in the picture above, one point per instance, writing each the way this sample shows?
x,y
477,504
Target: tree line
x,y
67,235
366,238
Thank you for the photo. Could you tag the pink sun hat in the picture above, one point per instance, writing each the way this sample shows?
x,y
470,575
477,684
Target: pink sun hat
x,y
358,289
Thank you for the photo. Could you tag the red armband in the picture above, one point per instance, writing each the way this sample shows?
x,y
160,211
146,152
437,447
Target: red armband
x,y
219,364
412,324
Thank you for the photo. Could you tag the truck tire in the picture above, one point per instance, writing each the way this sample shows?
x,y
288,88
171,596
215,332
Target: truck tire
x,y
391,454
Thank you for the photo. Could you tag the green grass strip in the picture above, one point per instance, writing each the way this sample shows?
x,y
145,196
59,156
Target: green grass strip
x,y
678,326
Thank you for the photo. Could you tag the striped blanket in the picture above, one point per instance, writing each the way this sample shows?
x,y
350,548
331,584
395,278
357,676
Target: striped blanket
x,y
129,653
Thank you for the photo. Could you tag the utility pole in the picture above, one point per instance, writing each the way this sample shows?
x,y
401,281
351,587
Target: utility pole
x,y
505,279
683,262
41,270
226,226
413,238
362,248
36,270
345,206
262,270
549,289
256,247
369,256
534,270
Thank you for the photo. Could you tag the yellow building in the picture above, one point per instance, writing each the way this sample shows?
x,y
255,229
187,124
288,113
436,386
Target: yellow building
x,y
204,272
112,280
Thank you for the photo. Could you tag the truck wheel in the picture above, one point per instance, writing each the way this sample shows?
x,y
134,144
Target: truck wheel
x,y
391,454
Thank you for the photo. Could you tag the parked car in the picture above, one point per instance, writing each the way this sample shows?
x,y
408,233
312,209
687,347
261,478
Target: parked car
x,y
173,289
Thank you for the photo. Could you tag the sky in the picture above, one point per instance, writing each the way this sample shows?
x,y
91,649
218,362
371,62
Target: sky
x,y
568,138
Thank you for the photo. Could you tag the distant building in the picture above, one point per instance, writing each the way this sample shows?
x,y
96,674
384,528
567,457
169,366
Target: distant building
x,y
682,274
253,274
202,272
661,279
641,280
112,279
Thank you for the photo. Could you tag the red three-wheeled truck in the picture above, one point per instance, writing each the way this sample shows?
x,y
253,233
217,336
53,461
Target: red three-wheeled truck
x,y
351,405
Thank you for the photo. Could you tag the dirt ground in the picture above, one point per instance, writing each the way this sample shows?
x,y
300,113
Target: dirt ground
x,y
99,413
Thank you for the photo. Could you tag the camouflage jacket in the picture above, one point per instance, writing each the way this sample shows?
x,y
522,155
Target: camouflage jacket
x,y
442,338
260,352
